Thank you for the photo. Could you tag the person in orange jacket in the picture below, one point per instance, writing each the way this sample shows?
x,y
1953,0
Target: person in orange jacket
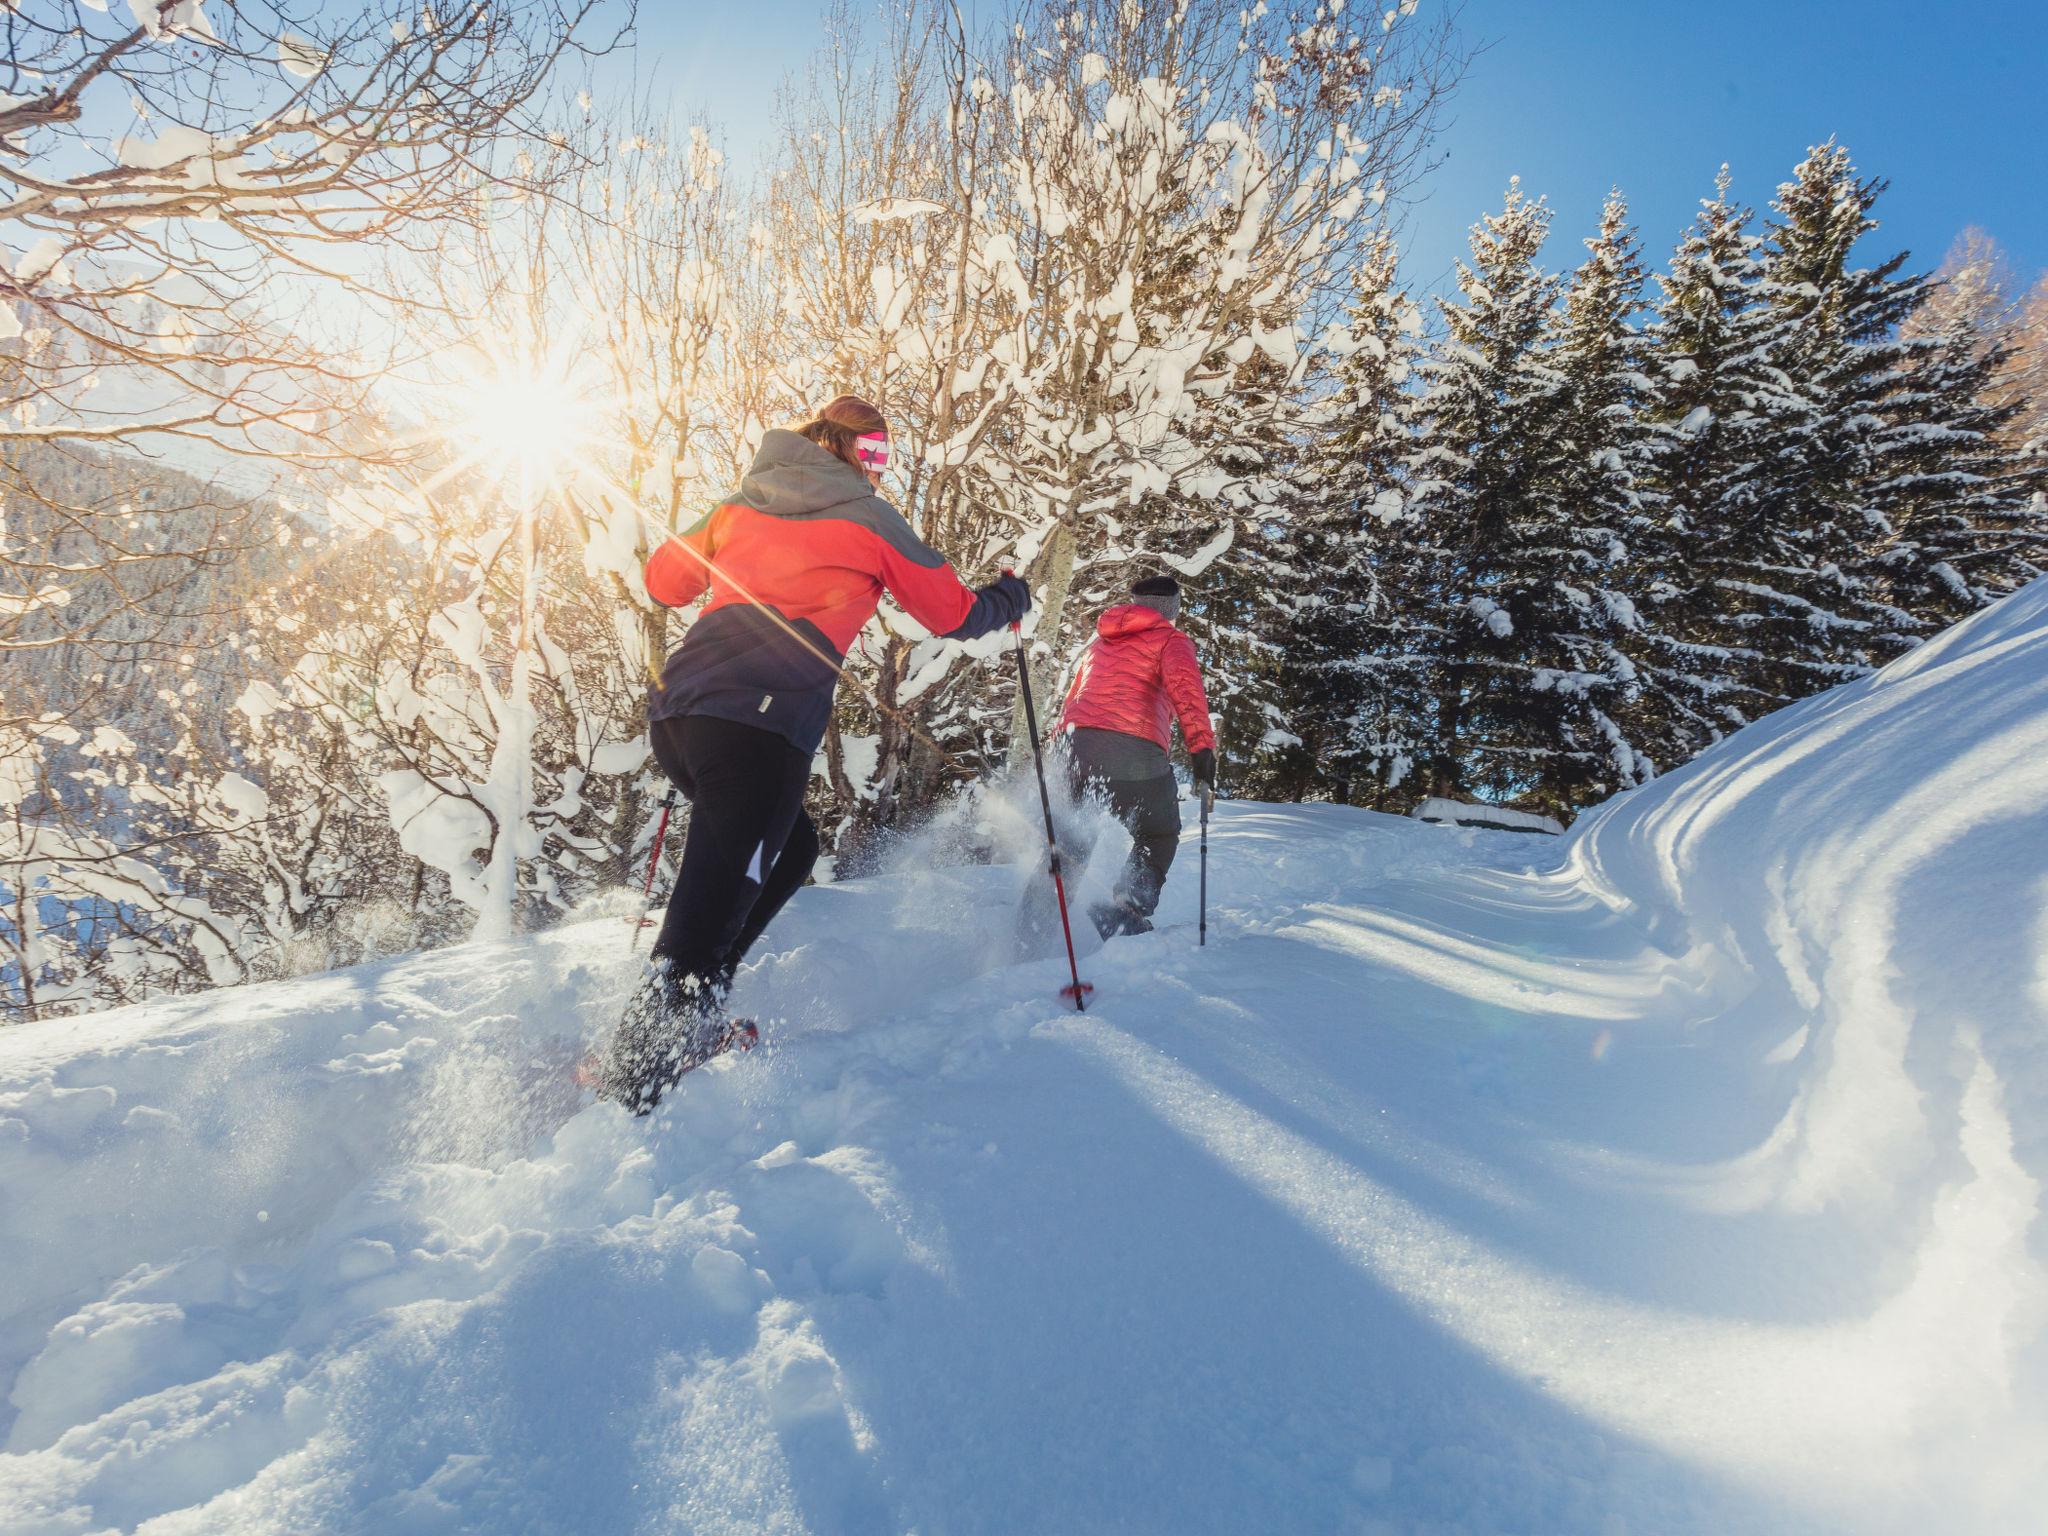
x,y
794,564
1136,677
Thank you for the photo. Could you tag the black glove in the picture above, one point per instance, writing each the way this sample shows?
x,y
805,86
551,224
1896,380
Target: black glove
x,y
1204,763
1014,592
1003,601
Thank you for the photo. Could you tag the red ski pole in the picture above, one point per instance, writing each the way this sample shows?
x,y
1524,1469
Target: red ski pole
x,y
1080,989
668,803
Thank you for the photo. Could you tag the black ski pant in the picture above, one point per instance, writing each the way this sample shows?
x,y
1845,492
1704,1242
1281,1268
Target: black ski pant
x,y
1150,808
749,847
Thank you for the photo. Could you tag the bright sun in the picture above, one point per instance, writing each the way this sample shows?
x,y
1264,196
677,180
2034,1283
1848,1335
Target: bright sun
x,y
523,422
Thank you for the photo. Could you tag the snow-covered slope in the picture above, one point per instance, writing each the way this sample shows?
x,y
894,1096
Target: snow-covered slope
x,y
1690,1180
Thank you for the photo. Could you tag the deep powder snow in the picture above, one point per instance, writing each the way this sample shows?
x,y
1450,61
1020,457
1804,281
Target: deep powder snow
x,y
1682,1175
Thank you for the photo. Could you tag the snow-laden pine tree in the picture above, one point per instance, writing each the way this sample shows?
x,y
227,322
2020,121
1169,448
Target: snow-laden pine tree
x,y
1957,501
1600,457
1512,604
1236,580
1838,344
1715,583
1354,684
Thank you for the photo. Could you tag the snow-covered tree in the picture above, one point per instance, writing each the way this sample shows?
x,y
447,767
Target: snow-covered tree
x,y
1960,527
586,405
1601,453
95,908
1178,191
1054,257
197,841
158,289
1517,615
200,219
1839,345
1713,582
1356,689
1238,609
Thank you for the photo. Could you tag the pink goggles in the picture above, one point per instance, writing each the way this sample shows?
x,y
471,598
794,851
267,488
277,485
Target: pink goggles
x,y
872,449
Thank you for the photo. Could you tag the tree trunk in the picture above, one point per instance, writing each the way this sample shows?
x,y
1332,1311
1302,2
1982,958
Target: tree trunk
x,y
1444,775
1052,578
860,846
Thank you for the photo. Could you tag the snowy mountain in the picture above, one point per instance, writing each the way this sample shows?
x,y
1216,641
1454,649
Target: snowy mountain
x,y
1687,1179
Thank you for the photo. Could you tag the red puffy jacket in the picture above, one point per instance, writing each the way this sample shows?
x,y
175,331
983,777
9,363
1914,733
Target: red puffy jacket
x,y
1136,674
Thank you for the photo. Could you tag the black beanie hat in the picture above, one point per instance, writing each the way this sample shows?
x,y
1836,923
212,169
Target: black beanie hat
x,y
1155,586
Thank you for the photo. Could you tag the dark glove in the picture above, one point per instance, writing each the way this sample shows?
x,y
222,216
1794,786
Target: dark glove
x,y
1003,601
1204,763
1014,592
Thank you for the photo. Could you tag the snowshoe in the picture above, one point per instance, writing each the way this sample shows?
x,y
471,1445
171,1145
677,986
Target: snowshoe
x,y
672,1026
1113,919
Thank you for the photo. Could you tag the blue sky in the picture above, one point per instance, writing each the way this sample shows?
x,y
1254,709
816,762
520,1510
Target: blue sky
x,y
1941,97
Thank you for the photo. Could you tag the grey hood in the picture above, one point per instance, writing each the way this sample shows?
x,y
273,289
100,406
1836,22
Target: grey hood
x,y
792,476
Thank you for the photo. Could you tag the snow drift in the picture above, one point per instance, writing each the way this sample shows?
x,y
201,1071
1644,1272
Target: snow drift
x,y
1689,1179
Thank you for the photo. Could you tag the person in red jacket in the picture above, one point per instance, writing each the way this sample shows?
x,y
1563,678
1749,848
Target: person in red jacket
x,y
1134,679
794,565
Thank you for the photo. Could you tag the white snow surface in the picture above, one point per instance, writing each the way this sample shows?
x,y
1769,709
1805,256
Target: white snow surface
x,y
1688,1180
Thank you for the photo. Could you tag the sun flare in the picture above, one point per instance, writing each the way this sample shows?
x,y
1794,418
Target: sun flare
x,y
523,422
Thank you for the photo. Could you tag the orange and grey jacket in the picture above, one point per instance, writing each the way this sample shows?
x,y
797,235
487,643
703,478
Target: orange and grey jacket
x,y
796,563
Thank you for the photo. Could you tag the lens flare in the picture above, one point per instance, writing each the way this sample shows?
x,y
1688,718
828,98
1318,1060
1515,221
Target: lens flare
x,y
523,422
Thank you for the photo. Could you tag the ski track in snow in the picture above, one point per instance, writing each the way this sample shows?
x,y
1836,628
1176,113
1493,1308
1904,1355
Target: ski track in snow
x,y
1684,1175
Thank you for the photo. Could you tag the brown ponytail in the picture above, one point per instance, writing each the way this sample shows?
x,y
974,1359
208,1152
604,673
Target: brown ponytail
x,y
839,423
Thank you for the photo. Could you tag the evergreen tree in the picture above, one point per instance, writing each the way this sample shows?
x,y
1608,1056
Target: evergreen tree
x,y
1955,497
1839,345
1352,682
1525,675
1722,616
1601,460
1237,605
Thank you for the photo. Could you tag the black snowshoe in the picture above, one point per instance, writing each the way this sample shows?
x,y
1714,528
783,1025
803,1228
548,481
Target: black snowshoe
x,y
1113,919
671,1026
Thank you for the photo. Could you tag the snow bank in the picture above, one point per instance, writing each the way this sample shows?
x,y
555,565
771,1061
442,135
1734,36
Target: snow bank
x,y
1871,868
1687,1180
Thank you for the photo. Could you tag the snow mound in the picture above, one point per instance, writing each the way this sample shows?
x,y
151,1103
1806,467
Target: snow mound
x,y
1686,1179
1871,868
